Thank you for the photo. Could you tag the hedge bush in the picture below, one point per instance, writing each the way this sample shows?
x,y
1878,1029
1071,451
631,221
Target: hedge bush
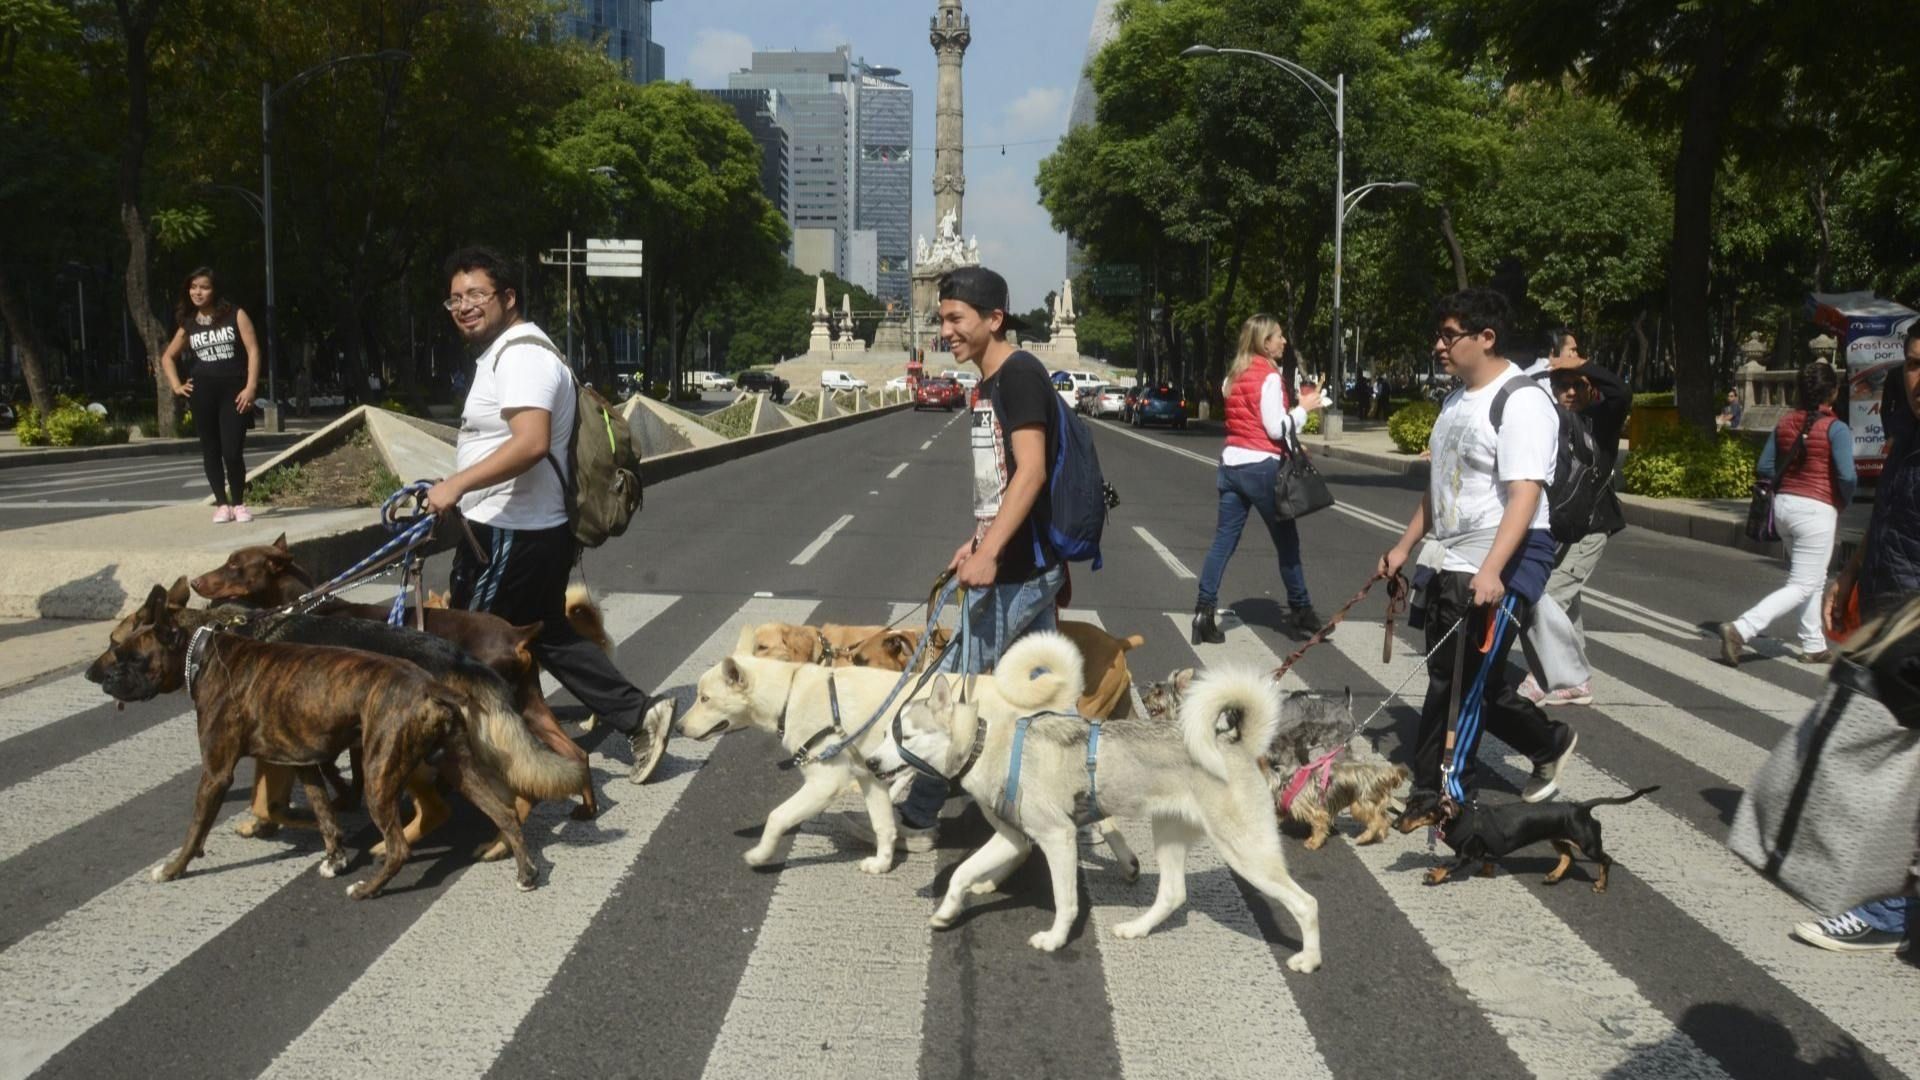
x,y
731,422
69,424
806,407
1313,423
1411,425
1663,400
1682,463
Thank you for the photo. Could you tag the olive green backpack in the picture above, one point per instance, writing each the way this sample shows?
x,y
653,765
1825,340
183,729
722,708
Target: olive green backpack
x,y
602,480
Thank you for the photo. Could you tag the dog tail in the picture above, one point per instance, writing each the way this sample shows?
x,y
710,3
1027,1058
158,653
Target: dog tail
x,y
585,617
1131,642
1041,671
1620,800
1228,707
503,745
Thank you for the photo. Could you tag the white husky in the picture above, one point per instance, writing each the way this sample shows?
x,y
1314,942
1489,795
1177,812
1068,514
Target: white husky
x,y
1197,777
793,701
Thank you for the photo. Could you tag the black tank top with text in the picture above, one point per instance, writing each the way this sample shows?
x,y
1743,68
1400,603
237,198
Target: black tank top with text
x,y
216,347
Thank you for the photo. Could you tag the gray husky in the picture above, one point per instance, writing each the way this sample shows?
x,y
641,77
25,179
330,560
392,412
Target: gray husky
x,y
1196,778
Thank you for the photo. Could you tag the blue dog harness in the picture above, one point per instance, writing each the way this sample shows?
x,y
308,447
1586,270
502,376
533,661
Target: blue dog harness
x,y
1010,794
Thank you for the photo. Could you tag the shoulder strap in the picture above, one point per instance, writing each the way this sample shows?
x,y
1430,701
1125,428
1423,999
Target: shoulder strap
x,y
1799,443
1506,391
559,474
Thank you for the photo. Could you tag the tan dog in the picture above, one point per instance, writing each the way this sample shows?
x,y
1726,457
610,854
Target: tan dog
x,y
1104,656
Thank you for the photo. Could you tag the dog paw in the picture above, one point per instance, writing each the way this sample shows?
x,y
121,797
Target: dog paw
x,y
358,891
877,864
589,723
1132,929
583,812
1314,843
1304,962
1048,940
492,852
331,868
1599,886
528,883
251,827
1132,873
942,920
1436,875
759,856
163,873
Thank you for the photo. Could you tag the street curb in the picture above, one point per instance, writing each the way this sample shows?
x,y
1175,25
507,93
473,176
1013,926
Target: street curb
x,y
1667,517
21,459
681,462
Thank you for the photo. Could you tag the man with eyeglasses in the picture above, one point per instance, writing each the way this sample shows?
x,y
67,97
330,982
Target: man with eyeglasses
x,y
1494,450
507,482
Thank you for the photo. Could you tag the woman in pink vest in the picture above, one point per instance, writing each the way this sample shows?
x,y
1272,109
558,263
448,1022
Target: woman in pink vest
x,y
1264,415
1812,483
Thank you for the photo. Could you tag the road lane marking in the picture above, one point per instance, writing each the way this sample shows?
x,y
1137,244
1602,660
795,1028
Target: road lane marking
x,y
820,542
1613,605
1173,561
30,710
1712,886
926,444
1746,690
97,504
897,470
529,935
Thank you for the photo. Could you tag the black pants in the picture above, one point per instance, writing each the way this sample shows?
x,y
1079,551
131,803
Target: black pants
x,y
223,433
525,581
1516,721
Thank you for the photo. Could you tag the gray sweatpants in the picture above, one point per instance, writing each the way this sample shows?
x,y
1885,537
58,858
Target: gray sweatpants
x,y
1556,640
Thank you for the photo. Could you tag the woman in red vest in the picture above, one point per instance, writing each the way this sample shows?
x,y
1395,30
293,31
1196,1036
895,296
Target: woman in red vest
x,y
1813,480
1264,416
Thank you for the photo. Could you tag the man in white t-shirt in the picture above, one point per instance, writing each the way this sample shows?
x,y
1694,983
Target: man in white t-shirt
x,y
515,433
1494,448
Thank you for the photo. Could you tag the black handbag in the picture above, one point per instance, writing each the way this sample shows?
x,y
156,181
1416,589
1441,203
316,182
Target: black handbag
x,y
1298,487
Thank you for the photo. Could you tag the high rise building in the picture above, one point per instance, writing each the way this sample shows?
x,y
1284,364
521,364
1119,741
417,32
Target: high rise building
x,y
768,118
626,28
1086,101
883,177
819,91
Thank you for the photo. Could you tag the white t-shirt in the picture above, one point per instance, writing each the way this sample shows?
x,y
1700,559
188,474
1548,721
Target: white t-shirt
x,y
514,373
1468,484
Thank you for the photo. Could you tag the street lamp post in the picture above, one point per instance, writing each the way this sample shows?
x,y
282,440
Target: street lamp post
x,y
268,95
1343,200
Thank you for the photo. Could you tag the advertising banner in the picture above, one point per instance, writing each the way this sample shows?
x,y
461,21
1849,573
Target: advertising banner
x,y
1869,330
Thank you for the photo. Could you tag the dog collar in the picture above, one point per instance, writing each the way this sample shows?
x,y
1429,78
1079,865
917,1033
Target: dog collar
x,y
827,653
804,756
196,653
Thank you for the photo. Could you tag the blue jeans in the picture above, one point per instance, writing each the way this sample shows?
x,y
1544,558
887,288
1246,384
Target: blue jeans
x,y
1894,915
999,615
1244,488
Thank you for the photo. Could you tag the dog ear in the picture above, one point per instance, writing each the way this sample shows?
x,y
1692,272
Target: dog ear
x,y
939,639
732,672
942,697
1181,679
154,612
898,645
279,543
178,596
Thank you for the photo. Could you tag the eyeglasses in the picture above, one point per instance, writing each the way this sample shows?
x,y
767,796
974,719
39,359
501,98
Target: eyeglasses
x,y
1449,337
471,298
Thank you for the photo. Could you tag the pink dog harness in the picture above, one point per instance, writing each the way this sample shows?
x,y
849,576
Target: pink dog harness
x,y
1322,764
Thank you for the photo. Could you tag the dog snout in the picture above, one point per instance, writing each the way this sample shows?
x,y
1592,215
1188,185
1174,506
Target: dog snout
x,y
97,671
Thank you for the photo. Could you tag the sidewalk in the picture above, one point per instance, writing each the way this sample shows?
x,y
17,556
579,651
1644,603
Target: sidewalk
x,y
1714,521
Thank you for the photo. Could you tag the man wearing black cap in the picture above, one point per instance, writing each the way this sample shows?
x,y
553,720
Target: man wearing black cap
x,y
1013,575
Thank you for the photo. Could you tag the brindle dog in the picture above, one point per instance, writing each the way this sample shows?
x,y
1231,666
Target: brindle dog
x,y
300,705
266,576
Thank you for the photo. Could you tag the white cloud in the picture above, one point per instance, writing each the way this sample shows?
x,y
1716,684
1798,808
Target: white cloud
x,y
715,54
1039,112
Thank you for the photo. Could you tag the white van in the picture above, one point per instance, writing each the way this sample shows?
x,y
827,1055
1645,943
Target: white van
x,y
840,380
710,380
1070,383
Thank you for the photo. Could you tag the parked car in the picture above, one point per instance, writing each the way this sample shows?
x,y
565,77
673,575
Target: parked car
x,y
898,382
1109,401
710,380
968,378
1126,408
840,380
764,382
1070,383
1160,405
939,393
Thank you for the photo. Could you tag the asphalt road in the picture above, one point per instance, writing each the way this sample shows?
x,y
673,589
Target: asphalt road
x,y
43,494
652,950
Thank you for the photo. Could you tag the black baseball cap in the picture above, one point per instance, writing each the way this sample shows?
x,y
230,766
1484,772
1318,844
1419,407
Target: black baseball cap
x,y
982,288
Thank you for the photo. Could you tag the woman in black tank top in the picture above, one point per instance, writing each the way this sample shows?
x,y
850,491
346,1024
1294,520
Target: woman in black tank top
x,y
223,371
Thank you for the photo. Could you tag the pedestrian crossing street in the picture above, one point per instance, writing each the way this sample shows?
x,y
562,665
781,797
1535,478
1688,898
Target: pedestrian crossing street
x,y
652,950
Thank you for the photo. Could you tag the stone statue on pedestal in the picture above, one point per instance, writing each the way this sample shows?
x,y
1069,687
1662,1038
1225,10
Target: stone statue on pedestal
x,y
820,340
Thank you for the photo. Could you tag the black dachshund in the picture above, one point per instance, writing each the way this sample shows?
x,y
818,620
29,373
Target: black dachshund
x,y
1484,834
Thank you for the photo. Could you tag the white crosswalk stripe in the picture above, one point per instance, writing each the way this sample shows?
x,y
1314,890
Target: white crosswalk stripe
x,y
1202,995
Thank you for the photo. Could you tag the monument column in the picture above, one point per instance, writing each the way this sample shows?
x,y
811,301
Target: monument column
x,y
952,33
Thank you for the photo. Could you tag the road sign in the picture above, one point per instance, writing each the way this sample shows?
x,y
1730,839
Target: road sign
x,y
1117,279
614,258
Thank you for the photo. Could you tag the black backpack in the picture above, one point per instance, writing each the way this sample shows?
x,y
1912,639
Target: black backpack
x,y
1578,480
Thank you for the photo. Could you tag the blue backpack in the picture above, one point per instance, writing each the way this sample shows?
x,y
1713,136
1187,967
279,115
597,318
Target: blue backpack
x,y
1078,496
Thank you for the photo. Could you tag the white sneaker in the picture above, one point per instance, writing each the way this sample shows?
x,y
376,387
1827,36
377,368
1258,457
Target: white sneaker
x,y
1530,689
1572,695
1545,783
241,514
222,515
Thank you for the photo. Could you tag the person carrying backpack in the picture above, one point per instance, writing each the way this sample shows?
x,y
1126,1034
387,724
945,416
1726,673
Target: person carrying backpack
x,y
1809,461
1013,574
1495,455
1264,420
511,483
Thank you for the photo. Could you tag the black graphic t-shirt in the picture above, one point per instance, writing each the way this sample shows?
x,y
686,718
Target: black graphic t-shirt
x,y
1018,395
216,347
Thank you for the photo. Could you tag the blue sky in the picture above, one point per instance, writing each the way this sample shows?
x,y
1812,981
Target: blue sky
x,y
1020,74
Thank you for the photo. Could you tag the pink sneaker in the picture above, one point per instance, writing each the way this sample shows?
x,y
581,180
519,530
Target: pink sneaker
x,y
1530,690
241,514
222,515
1572,695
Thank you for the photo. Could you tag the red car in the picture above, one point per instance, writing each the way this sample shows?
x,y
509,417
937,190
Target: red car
x,y
939,393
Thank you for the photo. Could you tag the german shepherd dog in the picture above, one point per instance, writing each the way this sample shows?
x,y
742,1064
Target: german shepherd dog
x,y
266,576
297,706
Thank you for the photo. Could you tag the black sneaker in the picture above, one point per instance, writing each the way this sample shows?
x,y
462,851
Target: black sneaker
x,y
1847,933
648,742
1546,783
1308,621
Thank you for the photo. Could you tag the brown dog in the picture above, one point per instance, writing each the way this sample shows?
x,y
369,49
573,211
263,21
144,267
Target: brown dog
x,y
297,706
1106,695
266,576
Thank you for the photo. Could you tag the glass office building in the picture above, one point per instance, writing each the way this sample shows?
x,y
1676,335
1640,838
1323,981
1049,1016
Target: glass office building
x,y
883,180
626,28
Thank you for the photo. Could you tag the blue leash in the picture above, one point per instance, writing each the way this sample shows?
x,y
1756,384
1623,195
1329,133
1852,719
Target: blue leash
x,y
411,533
1010,795
1467,733
919,650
